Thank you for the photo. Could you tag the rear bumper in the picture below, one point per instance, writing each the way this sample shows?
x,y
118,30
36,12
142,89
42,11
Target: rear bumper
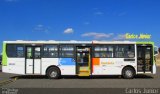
x,y
154,68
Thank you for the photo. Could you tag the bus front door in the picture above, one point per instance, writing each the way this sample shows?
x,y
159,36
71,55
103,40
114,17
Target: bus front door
x,y
33,60
144,58
83,60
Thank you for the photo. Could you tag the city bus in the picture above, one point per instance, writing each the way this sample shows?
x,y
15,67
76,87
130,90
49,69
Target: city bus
x,y
79,58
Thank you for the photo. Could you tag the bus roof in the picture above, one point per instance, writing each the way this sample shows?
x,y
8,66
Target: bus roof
x,y
48,42
75,42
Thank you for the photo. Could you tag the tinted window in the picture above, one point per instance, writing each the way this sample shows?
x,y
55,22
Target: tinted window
x,y
124,51
130,51
66,51
114,51
119,51
103,51
50,51
20,51
15,50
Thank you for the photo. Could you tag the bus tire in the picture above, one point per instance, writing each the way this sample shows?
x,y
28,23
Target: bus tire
x,y
128,73
53,73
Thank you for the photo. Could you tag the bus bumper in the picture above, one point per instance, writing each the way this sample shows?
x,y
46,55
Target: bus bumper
x,y
154,68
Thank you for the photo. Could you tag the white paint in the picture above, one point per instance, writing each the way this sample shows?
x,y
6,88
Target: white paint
x,y
115,68
154,68
29,66
15,66
68,70
37,66
46,62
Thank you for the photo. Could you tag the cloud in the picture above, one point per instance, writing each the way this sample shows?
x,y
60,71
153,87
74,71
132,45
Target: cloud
x,y
95,8
120,37
86,23
98,13
68,30
105,36
122,14
97,35
41,28
10,0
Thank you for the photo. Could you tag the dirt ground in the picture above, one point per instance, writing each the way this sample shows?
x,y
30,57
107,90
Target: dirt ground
x,y
158,60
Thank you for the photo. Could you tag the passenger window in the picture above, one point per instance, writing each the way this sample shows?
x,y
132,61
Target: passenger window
x,y
11,50
66,51
119,51
50,51
104,51
124,51
130,51
14,50
20,51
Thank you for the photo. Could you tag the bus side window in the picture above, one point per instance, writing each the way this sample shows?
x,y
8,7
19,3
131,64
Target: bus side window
x,y
15,50
50,51
103,51
66,51
130,51
124,51
20,51
119,51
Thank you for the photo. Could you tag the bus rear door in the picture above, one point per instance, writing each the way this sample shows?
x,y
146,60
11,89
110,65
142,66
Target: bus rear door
x,y
144,58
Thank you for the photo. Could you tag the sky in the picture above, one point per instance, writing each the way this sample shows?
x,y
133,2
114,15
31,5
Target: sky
x,y
78,19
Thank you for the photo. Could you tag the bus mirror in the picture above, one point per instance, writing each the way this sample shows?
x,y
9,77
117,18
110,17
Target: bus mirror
x,y
156,52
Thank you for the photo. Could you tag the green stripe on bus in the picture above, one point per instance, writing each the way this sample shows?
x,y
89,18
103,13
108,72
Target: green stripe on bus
x,y
4,55
149,42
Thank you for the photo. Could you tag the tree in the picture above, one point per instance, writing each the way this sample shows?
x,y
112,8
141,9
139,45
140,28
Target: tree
x,y
159,50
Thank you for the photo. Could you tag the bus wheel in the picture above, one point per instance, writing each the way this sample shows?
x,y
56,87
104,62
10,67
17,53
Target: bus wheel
x,y
128,73
53,73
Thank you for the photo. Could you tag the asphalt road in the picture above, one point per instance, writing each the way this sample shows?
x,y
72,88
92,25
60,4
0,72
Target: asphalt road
x,y
141,81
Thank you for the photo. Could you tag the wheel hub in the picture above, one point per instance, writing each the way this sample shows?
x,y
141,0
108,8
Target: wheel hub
x,y
53,74
129,73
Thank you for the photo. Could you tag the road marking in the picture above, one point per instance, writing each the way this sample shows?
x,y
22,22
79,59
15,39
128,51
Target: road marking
x,y
8,81
5,82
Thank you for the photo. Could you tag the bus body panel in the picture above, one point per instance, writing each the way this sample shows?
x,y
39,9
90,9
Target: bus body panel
x,y
68,70
15,65
111,66
46,62
67,66
37,66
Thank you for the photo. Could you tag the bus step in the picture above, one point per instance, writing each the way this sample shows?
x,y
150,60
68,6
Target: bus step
x,y
84,73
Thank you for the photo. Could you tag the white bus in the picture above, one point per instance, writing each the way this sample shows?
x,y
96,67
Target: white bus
x,y
81,58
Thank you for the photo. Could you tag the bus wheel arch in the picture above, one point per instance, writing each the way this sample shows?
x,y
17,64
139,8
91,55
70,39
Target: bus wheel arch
x,y
128,72
53,72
